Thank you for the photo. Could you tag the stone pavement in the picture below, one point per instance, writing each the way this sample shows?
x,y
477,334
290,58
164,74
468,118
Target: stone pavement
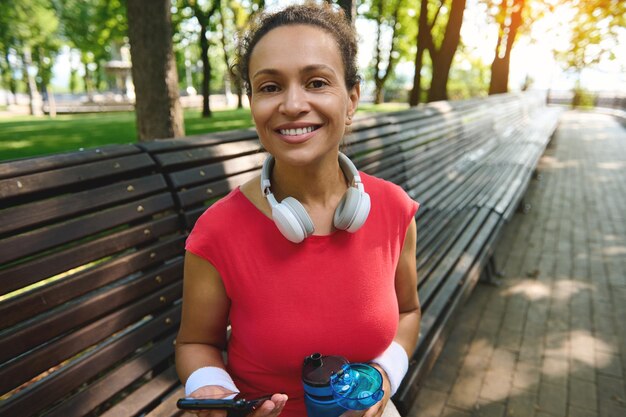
x,y
551,339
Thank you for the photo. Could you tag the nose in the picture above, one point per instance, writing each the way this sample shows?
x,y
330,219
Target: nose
x,y
294,102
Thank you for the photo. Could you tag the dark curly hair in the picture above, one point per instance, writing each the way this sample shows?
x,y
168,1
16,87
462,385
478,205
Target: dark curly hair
x,y
324,16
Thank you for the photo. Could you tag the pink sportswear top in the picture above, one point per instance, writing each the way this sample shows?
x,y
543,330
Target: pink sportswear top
x,y
331,294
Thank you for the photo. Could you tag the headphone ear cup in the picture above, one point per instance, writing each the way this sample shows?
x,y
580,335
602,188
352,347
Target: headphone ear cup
x,y
292,220
352,210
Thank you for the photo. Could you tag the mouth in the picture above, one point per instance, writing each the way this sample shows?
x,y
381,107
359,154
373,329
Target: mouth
x,y
297,131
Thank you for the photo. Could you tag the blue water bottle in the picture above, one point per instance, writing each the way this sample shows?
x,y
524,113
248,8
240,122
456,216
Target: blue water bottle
x,y
332,385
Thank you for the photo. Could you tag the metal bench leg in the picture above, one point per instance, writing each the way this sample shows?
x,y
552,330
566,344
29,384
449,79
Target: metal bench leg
x,y
491,275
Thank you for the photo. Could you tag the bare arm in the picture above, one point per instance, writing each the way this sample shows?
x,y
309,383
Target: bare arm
x,y
406,291
202,334
410,314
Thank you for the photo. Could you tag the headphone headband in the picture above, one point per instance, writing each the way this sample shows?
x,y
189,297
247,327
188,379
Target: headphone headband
x,y
291,217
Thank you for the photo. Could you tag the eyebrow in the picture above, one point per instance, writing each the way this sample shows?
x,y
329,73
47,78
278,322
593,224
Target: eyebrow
x,y
307,69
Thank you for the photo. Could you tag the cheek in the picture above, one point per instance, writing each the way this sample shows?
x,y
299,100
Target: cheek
x,y
260,110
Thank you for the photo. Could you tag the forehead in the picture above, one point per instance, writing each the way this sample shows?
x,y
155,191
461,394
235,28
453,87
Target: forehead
x,y
296,45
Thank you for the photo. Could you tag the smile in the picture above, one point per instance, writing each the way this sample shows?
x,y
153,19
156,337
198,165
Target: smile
x,y
297,132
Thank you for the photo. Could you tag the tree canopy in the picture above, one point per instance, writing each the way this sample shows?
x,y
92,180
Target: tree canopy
x,y
423,35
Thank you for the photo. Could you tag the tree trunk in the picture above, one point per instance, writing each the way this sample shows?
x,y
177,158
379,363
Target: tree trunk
x,y
227,78
381,80
158,109
12,82
238,83
422,38
206,71
204,19
500,66
35,101
442,58
378,96
87,79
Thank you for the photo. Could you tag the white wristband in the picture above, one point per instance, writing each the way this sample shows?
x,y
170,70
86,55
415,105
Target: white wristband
x,y
395,362
209,375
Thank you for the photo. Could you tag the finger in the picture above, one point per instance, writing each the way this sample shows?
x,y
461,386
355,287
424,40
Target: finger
x,y
272,407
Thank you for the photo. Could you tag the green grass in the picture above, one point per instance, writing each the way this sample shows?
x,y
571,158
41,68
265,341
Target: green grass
x,y
27,136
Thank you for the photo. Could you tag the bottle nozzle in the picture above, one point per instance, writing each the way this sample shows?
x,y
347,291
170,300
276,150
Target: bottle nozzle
x,y
314,359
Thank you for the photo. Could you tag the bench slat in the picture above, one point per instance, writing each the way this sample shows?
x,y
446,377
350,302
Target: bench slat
x,y
32,303
49,390
71,205
47,266
50,180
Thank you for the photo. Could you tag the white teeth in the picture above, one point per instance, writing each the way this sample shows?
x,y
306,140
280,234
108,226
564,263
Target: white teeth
x,y
296,132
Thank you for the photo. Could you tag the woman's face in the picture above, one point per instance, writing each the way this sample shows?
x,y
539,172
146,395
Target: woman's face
x,y
299,101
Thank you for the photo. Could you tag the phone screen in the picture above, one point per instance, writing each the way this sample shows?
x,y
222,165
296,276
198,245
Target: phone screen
x,y
236,404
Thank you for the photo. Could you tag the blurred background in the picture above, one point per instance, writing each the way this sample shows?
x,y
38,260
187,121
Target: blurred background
x,y
74,58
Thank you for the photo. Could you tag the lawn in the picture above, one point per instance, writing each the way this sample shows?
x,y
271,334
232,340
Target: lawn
x,y
26,136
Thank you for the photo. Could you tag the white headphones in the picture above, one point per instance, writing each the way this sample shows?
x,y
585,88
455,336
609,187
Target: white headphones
x,y
295,223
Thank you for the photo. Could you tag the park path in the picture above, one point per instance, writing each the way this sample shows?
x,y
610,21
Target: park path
x,y
550,340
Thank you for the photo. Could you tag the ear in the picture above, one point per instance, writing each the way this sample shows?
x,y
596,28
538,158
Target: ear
x,y
353,101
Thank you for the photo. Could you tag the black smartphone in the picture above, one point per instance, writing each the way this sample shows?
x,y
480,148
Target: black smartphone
x,y
236,405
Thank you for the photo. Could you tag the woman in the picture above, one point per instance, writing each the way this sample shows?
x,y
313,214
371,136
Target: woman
x,y
345,284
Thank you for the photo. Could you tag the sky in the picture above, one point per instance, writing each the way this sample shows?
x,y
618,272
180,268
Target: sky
x,y
534,60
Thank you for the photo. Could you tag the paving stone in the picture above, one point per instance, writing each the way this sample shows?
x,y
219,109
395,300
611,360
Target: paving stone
x,y
553,399
429,403
441,377
611,393
527,377
608,363
582,394
455,412
580,412
522,403
558,314
465,391
488,408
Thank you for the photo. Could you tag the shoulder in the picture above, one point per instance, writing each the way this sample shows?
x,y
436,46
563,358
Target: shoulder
x,y
385,191
222,211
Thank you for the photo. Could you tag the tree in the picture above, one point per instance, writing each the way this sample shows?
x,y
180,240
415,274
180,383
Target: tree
x,y
241,16
423,30
25,26
594,35
92,26
158,109
393,29
509,20
442,55
203,15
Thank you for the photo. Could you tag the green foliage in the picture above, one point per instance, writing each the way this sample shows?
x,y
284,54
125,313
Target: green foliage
x,y
469,76
594,27
91,26
28,26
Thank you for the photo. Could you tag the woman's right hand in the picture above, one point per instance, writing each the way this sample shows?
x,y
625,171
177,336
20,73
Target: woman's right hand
x,y
269,408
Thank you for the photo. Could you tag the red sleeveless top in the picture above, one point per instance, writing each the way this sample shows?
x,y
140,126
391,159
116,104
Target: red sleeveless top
x,y
332,294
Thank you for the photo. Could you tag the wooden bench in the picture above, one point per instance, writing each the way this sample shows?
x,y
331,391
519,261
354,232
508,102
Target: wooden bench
x,y
91,244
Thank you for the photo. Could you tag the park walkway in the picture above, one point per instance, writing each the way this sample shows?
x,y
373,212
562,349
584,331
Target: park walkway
x,y
551,339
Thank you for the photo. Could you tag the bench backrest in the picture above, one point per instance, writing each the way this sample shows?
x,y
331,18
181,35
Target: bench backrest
x,y
90,247
91,243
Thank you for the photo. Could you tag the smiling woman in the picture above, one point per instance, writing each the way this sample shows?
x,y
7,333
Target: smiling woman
x,y
310,256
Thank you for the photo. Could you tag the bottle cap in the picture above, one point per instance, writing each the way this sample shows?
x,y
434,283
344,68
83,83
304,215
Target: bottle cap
x,y
357,386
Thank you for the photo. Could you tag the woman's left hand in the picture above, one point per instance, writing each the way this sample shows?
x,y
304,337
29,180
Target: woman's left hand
x,y
377,409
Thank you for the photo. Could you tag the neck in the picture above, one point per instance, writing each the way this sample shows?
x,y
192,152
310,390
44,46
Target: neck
x,y
314,184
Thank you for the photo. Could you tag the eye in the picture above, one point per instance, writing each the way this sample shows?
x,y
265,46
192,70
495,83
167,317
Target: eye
x,y
317,84
268,88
